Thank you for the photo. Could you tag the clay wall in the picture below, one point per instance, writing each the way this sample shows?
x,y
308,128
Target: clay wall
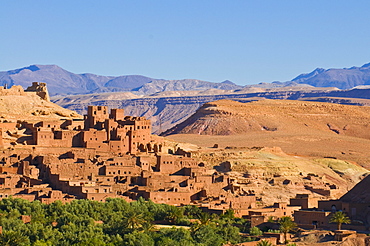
x,y
168,164
69,169
39,89
95,139
215,189
75,125
1,138
8,126
146,162
46,153
121,161
122,145
28,197
67,138
43,136
104,179
55,124
7,192
13,170
15,90
306,217
171,198
9,180
332,205
155,180
256,220
242,202
120,170
117,114
99,196
96,116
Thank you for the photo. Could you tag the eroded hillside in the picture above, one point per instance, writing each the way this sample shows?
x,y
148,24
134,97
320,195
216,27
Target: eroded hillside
x,y
275,176
299,128
226,117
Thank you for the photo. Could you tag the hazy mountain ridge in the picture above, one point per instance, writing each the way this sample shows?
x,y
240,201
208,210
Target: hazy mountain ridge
x,y
61,81
344,78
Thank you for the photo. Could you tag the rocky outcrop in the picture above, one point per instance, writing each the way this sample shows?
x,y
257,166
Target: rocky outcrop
x,y
17,104
40,90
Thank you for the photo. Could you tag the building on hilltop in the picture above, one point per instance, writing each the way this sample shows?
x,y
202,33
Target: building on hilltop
x,y
107,154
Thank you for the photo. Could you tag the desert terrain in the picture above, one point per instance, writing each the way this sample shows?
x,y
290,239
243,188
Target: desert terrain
x,y
308,129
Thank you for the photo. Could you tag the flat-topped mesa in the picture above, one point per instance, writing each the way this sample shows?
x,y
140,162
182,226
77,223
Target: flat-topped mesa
x,y
40,89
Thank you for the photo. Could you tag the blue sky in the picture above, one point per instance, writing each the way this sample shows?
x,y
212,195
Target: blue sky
x,y
242,41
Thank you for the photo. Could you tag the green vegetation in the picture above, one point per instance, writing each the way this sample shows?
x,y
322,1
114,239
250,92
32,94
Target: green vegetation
x,y
286,225
339,218
114,222
264,243
255,231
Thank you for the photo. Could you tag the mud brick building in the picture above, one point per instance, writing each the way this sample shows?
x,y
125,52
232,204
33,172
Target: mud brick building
x,y
107,154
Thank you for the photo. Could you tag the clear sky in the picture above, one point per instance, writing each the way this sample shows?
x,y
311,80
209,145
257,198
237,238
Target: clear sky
x,y
242,41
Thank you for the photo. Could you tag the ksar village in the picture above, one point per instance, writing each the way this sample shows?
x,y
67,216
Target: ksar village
x,y
113,130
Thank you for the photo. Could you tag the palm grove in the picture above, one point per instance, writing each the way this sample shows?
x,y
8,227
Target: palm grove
x,y
114,222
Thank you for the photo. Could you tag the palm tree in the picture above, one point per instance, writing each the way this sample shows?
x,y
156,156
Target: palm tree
x,y
286,225
264,243
13,238
204,218
134,220
339,218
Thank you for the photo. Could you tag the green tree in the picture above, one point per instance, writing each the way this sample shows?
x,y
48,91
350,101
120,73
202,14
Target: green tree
x,y
228,214
192,211
339,218
134,220
204,218
255,231
207,236
13,238
137,239
264,243
174,214
229,233
174,237
286,225
271,219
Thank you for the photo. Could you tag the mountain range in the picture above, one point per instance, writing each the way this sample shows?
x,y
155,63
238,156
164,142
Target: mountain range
x,y
63,82
345,78
169,102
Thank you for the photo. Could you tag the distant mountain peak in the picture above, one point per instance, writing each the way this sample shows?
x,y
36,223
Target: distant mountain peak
x,y
345,78
228,82
63,82
32,68
366,65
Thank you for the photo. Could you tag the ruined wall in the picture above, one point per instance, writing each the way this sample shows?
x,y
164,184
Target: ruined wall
x,y
40,90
